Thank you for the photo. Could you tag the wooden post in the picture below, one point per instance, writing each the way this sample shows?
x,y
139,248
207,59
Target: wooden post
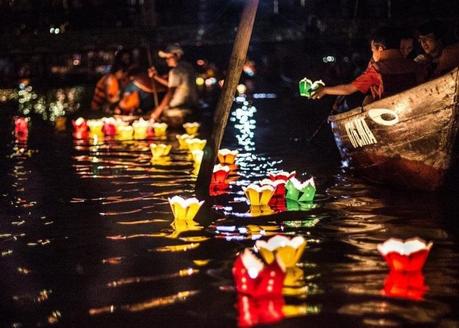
x,y
237,60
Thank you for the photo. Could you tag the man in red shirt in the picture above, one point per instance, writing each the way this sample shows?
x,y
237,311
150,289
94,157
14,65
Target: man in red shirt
x,y
387,73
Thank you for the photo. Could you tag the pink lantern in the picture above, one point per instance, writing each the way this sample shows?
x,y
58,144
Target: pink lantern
x,y
220,174
281,175
409,255
109,128
80,128
255,279
408,285
21,128
256,311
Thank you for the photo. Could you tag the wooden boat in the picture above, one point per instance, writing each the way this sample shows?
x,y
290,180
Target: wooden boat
x,y
406,139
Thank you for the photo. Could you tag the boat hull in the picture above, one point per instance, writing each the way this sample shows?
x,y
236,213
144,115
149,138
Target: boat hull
x,y
406,139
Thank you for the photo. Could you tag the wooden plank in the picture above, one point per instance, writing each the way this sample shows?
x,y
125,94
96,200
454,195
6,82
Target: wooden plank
x,y
237,60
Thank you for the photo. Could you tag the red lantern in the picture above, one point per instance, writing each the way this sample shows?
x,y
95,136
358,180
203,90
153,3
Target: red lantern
x,y
80,129
21,128
220,174
405,256
150,132
255,279
217,189
408,285
109,128
281,175
255,311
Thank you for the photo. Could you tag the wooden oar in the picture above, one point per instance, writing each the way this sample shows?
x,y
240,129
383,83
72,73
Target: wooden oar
x,y
237,60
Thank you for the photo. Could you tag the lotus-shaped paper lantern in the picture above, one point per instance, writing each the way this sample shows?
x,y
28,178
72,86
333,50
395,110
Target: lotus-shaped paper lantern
x,y
160,129
281,175
124,132
220,173
197,156
217,189
140,129
191,128
259,195
196,144
184,209
253,278
159,150
80,129
278,185
109,127
95,127
226,156
307,87
408,285
284,250
182,140
409,255
258,311
21,128
300,192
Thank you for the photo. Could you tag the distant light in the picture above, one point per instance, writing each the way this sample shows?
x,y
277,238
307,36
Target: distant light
x,y
200,81
57,30
76,62
264,96
51,30
241,88
200,62
329,59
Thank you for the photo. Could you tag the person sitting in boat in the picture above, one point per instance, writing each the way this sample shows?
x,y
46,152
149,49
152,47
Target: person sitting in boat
x,y
407,45
108,88
138,96
438,58
181,97
387,73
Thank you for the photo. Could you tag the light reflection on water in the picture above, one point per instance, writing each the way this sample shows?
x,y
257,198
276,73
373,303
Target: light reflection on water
x,y
87,238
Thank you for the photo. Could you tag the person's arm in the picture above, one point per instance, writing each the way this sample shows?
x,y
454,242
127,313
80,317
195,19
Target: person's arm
x,y
153,74
337,90
164,104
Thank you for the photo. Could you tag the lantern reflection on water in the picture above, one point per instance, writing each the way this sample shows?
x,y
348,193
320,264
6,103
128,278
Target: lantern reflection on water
x,y
256,311
409,255
409,285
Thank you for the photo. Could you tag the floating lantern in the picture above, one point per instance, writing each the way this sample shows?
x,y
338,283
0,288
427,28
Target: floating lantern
x,y
255,279
307,87
109,127
284,250
259,195
408,285
409,255
293,205
60,124
160,129
191,128
278,185
184,209
195,144
159,150
258,311
140,129
281,175
124,132
182,140
80,128
21,128
241,89
197,156
226,156
95,128
300,192
220,173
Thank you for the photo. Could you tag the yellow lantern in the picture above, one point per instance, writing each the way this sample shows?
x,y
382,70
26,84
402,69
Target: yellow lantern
x,y
195,144
182,138
226,156
140,129
258,195
160,150
284,250
191,128
124,132
160,129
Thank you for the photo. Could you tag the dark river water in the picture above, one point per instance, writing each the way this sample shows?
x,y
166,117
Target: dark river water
x,y
86,237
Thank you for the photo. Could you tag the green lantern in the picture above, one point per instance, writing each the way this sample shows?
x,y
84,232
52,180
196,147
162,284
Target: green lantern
x,y
300,192
307,87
